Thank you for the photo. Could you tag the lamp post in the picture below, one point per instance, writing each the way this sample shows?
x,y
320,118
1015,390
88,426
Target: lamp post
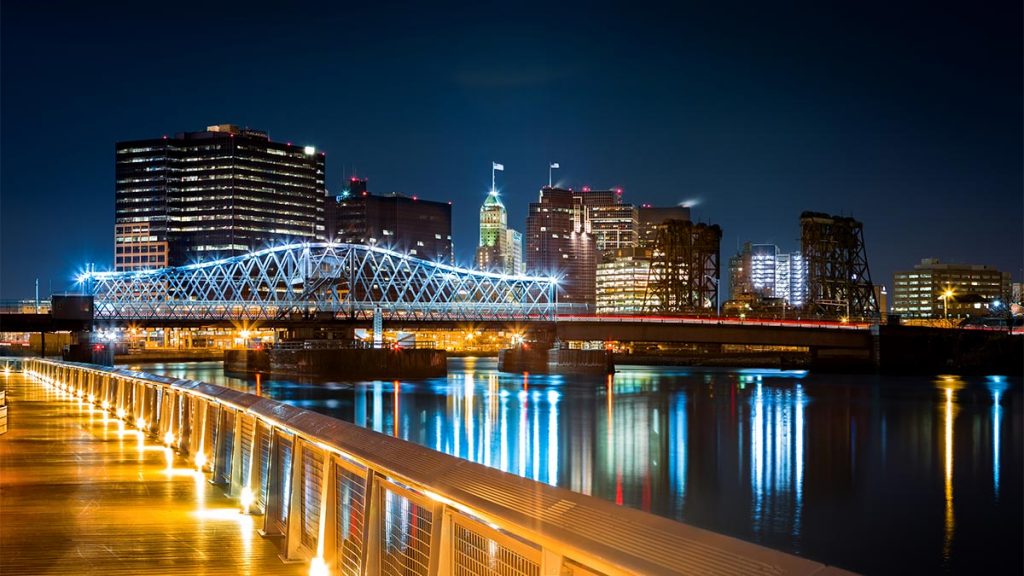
x,y
945,303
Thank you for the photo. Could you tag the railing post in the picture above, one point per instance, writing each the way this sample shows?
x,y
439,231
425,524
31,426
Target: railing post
x,y
441,541
327,540
235,481
293,530
273,477
550,563
372,525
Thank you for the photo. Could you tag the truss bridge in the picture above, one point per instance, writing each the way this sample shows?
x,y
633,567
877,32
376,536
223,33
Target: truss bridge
x,y
322,280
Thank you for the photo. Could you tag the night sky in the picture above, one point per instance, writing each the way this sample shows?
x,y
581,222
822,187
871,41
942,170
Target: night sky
x,y
906,117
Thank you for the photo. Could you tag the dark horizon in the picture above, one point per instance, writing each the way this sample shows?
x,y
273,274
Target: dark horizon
x,y
906,117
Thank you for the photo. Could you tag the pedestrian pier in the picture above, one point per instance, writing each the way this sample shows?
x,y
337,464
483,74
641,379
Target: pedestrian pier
x,y
106,471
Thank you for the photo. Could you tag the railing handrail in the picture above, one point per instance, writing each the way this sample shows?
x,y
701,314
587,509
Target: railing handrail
x,y
577,529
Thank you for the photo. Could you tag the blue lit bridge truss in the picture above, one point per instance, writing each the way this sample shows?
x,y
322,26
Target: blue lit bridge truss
x,y
322,280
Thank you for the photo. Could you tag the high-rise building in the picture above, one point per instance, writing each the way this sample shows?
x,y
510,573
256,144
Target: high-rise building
x,y
421,228
220,192
622,283
560,239
761,271
514,252
934,291
500,248
650,218
739,273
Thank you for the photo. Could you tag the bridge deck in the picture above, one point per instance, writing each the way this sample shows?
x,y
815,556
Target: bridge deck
x,y
77,497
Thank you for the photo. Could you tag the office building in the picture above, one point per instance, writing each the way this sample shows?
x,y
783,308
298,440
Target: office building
x,y
762,269
514,252
760,272
622,283
220,192
933,290
500,248
560,239
649,218
409,225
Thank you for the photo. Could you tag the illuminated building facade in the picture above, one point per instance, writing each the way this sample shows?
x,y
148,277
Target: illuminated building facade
x,y
559,242
621,282
220,192
760,270
136,247
921,293
421,228
500,248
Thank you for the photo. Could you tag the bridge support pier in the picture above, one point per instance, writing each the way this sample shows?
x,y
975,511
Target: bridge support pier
x,y
556,361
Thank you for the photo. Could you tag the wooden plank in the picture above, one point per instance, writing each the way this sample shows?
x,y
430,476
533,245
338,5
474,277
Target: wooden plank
x,y
76,497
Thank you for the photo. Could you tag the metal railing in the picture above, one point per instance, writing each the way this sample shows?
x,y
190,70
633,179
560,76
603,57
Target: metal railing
x,y
351,501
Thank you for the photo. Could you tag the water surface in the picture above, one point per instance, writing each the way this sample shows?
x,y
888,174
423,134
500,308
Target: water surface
x,y
877,474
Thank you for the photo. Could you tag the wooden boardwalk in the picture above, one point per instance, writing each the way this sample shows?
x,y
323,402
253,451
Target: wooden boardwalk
x,y
79,497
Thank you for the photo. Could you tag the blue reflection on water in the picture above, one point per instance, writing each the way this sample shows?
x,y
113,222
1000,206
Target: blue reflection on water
x,y
822,465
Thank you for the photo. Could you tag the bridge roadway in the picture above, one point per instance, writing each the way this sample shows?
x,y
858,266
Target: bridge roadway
x,y
81,492
808,333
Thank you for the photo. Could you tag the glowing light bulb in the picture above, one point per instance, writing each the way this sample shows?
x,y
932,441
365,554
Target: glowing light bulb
x,y
200,461
92,398
120,413
105,405
317,567
169,438
140,423
247,498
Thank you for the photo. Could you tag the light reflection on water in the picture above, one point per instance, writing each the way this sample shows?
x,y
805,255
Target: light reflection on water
x,y
876,474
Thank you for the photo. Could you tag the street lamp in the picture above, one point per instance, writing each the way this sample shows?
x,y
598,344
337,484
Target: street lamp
x,y
945,303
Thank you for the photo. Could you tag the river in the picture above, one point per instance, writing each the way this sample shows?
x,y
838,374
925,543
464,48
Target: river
x,y
876,474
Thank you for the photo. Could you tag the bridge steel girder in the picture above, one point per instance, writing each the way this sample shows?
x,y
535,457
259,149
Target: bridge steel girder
x,y
714,334
323,281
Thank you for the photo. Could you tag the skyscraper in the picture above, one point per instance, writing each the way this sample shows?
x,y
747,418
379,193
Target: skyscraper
x,y
650,218
220,192
421,228
500,248
761,271
560,241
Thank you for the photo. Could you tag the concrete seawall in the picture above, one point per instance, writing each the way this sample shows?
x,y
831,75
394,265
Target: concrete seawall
x,y
556,361
348,363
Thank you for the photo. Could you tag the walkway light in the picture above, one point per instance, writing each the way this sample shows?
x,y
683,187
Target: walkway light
x,y
317,567
120,413
246,499
105,405
200,461
169,438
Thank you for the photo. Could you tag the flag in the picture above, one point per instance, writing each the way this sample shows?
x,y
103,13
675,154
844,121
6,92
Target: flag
x,y
554,165
497,166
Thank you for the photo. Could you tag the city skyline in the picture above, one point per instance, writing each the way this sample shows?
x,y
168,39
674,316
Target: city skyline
x,y
916,136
